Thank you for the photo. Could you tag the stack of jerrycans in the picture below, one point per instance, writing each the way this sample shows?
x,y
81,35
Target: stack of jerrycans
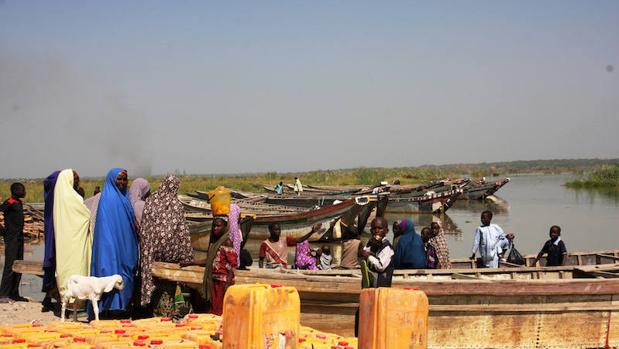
x,y
261,317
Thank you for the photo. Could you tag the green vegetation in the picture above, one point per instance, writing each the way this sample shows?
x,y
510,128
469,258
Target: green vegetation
x,y
356,176
605,177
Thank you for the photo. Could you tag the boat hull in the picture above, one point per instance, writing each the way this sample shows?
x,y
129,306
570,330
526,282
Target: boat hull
x,y
477,313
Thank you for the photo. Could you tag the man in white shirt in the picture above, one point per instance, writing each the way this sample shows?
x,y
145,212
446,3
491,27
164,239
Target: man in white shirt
x,y
489,240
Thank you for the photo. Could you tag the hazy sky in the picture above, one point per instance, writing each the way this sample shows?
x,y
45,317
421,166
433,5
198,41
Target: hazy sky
x,y
225,87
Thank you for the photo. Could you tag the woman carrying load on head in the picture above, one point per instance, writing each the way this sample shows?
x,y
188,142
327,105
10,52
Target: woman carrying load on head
x,y
138,192
164,235
220,265
115,246
72,230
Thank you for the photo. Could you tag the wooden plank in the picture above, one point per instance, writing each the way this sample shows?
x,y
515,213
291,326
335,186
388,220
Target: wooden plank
x,y
602,255
28,267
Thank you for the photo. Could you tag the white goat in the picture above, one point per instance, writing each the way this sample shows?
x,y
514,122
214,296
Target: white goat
x,y
88,287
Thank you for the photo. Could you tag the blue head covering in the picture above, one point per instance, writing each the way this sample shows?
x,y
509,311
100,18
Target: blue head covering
x,y
115,246
409,254
49,259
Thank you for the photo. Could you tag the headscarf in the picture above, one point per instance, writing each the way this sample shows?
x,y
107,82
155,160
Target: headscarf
x,y
235,231
164,236
115,248
409,254
442,249
93,204
72,231
139,188
49,259
214,245
303,259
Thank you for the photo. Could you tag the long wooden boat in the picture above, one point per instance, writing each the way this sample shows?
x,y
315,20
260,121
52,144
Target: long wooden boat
x,y
292,224
554,307
476,191
427,203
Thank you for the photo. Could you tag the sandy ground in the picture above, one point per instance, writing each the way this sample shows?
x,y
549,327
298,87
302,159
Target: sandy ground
x,y
24,312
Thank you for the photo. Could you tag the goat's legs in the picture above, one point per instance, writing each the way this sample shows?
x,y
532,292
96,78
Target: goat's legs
x,y
63,309
95,307
75,310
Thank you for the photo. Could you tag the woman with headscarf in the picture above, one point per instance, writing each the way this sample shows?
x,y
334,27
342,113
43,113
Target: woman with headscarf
x,y
439,243
410,253
137,195
164,235
72,230
220,264
93,204
115,247
49,259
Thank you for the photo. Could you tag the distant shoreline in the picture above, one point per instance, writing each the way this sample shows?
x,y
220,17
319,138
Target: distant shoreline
x,y
355,176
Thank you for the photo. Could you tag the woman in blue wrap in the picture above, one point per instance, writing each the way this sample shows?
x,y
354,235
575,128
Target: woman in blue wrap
x,y
49,259
115,245
409,254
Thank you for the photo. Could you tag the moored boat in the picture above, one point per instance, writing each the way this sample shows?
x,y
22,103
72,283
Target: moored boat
x,y
528,308
479,191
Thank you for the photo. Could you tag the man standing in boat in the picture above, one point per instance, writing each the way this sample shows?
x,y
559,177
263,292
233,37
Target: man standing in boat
x,y
298,187
488,241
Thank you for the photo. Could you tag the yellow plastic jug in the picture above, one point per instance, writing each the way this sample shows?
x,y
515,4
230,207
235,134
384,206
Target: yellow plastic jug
x,y
219,198
261,316
393,318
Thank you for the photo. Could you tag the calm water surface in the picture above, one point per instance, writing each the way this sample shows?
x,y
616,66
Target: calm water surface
x,y
527,206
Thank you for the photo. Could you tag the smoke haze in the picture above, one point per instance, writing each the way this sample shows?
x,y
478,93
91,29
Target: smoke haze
x,y
233,87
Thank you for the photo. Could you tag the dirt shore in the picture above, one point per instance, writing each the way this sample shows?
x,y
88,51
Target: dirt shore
x,y
24,312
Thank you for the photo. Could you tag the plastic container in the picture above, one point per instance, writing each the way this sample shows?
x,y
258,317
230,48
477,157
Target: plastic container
x,y
393,318
219,198
261,317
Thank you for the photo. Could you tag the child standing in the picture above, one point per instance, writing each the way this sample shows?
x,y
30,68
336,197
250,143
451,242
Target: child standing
x,y
13,234
554,248
325,258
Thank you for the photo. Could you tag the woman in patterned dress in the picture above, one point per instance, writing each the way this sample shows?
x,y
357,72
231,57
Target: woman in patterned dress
x,y
164,235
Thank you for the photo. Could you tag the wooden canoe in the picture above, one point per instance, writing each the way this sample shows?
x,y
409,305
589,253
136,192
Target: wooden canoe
x,y
464,313
475,191
591,264
292,224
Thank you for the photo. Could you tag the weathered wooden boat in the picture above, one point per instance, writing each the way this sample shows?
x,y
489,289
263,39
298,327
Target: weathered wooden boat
x,y
426,203
479,191
292,224
254,206
399,202
546,307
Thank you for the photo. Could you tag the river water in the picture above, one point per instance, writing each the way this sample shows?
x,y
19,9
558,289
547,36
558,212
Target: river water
x,y
527,206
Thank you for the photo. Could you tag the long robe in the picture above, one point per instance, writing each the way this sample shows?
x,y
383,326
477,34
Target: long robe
x,y
115,246
72,231
139,188
164,236
49,258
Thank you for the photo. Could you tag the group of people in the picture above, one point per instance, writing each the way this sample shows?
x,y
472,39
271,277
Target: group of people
x,y
124,229
493,245
298,187
120,230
